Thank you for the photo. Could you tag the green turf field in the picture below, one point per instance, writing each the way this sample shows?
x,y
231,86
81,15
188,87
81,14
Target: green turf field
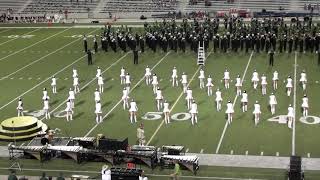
x,y
29,57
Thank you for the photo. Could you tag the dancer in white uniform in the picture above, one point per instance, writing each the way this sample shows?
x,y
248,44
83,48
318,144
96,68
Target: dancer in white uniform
x,y
46,108
229,111
125,98
194,112
71,97
303,80
122,76
69,110
174,77
289,85
226,78
100,83
159,99
20,107
98,112
133,111
255,79
154,83
238,85
74,73
45,94
166,112
305,105
147,75
272,103
76,84
97,96
244,101
290,116
184,82
209,85
257,113
54,84
98,72
264,84
275,80
218,99
189,97
201,78
128,82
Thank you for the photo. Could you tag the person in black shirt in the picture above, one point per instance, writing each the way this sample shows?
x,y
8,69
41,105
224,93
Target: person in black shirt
x,y
89,53
135,56
271,58
85,43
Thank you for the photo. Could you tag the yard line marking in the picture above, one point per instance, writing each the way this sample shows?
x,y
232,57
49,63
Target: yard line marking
x,y
90,82
234,101
43,57
175,103
106,115
5,30
14,99
34,44
261,154
294,106
18,37
201,151
39,78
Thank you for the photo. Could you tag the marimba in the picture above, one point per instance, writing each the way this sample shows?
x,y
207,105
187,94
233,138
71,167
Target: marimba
x,y
189,162
173,150
148,157
71,151
33,151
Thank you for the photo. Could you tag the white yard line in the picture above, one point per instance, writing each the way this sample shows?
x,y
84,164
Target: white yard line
x,y
1,59
111,65
136,85
18,37
8,75
5,30
40,83
294,106
234,101
175,103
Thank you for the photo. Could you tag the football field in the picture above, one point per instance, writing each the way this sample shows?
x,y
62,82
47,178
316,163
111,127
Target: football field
x,y
30,57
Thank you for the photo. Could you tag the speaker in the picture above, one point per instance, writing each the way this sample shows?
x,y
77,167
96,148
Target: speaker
x,y
295,168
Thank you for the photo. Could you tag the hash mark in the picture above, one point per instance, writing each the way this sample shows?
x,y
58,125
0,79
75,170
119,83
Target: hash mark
x,y
65,78
12,78
21,78
261,154
187,150
231,152
39,78
201,151
30,78
247,152
308,155
277,154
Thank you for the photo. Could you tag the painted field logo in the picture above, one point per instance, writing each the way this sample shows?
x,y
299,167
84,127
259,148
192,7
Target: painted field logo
x,y
80,36
153,116
282,119
36,114
19,36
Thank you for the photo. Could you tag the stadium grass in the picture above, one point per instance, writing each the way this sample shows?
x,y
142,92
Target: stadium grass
x,y
241,136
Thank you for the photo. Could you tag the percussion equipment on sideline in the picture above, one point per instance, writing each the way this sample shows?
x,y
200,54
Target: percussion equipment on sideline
x,y
148,157
125,173
189,162
173,150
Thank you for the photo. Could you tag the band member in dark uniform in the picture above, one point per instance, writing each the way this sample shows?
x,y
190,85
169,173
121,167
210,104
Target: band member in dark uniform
x,y
89,53
318,57
95,44
85,43
141,44
135,56
271,58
